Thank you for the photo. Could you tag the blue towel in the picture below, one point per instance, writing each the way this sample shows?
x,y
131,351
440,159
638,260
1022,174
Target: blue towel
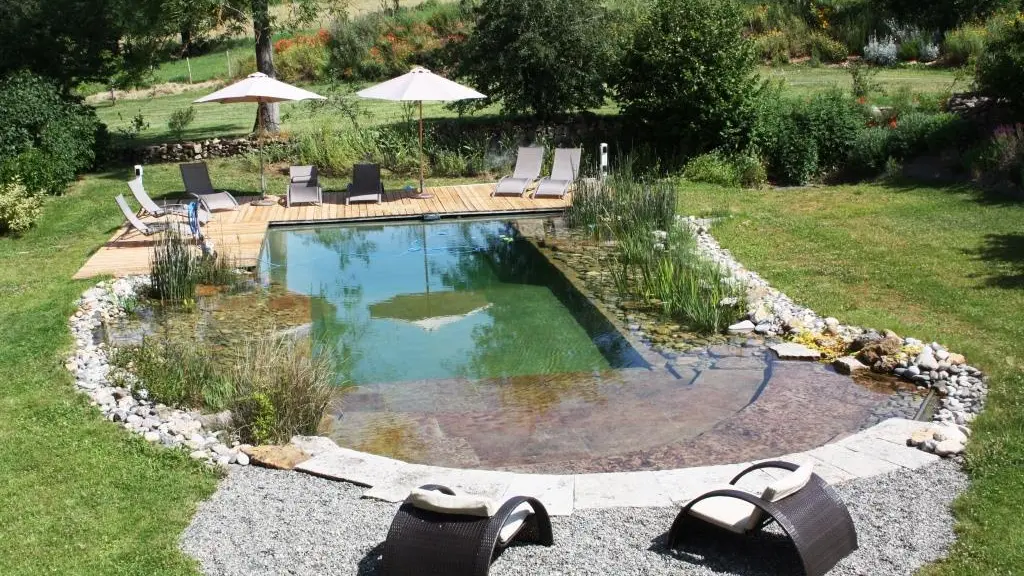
x,y
193,219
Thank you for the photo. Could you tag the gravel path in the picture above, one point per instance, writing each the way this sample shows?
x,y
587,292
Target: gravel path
x,y
270,522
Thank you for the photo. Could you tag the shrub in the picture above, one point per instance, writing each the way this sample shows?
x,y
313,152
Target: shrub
x,y
772,47
869,152
689,75
447,163
713,168
827,49
910,49
180,120
918,132
1000,70
46,138
543,57
881,52
19,207
751,170
929,52
863,81
832,120
964,45
1001,158
302,62
281,387
794,157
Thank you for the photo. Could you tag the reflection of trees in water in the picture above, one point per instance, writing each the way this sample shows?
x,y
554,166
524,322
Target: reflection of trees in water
x,y
349,243
514,339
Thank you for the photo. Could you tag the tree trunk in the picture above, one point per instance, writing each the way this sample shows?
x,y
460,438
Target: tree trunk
x,y
186,40
267,113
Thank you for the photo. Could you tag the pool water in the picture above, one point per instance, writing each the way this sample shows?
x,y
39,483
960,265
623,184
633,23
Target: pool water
x,y
469,299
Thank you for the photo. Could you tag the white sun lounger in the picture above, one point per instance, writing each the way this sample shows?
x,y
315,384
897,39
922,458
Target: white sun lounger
x,y
147,229
153,209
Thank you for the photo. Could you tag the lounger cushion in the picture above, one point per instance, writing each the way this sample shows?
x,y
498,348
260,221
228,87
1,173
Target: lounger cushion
x,y
548,187
515,522
733,514
789,484
465,504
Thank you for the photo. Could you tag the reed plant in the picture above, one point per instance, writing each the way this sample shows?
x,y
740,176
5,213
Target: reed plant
x,y
181,373
174,268
281,387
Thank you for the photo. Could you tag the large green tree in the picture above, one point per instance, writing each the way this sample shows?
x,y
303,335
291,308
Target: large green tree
x,y
690,75
538,56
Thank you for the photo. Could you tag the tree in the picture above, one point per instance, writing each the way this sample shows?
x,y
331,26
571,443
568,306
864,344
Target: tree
x,y
945,14
690,75
539,56
1000,71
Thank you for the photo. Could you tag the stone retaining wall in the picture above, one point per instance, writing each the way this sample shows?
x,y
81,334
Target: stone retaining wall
x,y
196,151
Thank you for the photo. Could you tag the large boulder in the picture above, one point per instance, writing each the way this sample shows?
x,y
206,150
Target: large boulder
x,y
874,351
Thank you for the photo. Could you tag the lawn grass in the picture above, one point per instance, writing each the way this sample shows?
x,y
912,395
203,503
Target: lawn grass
x,y
942,264
804,79
78,495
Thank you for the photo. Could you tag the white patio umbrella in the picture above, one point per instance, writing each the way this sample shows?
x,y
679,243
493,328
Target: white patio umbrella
x,y
259,88
419,85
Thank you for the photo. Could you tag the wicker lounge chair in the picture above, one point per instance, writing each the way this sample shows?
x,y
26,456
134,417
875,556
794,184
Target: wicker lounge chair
x,y
563,173
304,186
366,184
147,229
801,503
527,170
153,209
197,183
423,542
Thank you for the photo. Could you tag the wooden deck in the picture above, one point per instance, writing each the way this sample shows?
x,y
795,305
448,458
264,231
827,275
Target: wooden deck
x,y
239,233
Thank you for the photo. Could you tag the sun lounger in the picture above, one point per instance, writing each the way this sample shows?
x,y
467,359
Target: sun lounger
x,y
153,209
801,503
150,228
304,186
197,183
366,184
436,533
527,170
563,173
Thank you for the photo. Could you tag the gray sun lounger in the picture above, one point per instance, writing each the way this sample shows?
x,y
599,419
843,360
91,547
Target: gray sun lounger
x,y
563,173
147,229
527,170
303,186
366,184
153,209
196,178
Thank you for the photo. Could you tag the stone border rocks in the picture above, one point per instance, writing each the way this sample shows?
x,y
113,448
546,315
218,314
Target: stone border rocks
x,y
129,405
930,366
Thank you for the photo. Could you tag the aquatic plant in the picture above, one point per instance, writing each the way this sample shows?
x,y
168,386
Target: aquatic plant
x,y
173,269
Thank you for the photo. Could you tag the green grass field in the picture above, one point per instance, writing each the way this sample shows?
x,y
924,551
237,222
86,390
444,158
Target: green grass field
x,y
944,264
237,119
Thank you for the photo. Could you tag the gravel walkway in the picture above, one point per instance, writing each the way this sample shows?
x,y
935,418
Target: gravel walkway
x,y
269,522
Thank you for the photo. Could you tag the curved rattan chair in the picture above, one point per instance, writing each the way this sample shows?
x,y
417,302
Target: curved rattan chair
x,y
425,543
814,518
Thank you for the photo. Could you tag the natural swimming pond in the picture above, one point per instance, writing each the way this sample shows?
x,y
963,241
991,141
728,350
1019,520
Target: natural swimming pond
x,y
433,300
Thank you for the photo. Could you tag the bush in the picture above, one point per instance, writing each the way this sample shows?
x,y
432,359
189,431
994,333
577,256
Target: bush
x,y
751,170
1000,70
281,387
690,75
46,138
910,49
964,45
794,158
302,63
826,49
929,52
180,120
917,133
882,52
832,120
19,207
862,78
772,47
712,168
543,57
869,152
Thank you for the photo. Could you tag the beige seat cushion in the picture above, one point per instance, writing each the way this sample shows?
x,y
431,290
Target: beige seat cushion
x,y
435,501
789,484
514,522
733,514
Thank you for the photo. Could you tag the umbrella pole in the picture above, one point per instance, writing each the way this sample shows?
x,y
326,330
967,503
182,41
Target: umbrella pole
x,y
259,136
422,195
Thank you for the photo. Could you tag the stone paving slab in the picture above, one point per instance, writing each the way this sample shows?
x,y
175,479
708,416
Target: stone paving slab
x,y
874,451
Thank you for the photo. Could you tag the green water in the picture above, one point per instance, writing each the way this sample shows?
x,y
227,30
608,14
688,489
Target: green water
x,y
464,299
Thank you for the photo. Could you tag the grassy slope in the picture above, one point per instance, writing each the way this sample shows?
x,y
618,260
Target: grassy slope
x,y
79,495
938,264
805,79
